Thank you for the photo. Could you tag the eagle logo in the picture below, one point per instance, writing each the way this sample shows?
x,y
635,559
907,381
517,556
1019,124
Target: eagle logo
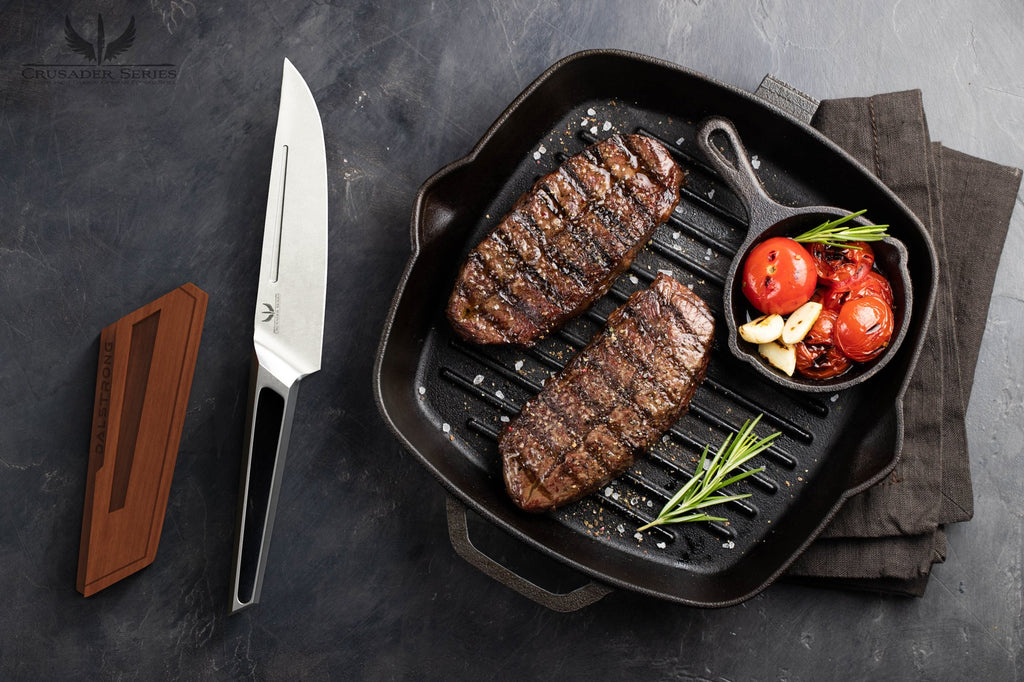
x,y
269,312
100,52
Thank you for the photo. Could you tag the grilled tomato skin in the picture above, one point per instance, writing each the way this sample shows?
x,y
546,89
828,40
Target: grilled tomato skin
x,y
817,356
872,284
842,267
863,328
779,276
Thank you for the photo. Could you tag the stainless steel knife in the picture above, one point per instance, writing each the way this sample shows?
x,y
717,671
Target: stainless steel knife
x,y
289,323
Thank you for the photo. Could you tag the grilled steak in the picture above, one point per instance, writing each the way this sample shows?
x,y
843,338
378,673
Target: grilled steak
x,y
613,400
565,241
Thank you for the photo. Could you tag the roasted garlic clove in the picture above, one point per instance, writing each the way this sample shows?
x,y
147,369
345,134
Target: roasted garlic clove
x,y
780,355
800,322
763,329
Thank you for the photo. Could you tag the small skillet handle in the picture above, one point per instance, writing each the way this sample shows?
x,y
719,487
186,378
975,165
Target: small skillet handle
x,y
740,177
458,532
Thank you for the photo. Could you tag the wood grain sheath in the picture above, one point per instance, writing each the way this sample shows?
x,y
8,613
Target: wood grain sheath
x,y
143,379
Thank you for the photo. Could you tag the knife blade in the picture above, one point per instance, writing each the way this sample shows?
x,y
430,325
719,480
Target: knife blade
x,y
288,323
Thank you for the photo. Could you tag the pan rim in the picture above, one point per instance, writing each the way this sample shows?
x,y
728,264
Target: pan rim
x,y
467,160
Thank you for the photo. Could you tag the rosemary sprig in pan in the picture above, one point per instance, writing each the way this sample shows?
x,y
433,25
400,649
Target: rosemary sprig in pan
x,y
700,492
835,233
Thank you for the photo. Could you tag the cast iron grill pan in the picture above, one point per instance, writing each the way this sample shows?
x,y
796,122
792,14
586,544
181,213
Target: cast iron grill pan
x,y
447,400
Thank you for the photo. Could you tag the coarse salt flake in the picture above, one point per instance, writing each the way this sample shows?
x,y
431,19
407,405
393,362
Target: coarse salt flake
x,y
593,130
711,194
633,279
650,503
542,149
680,140
423,390
536,156
666,272
504,419
500,395
620,528
661,545
615,496
755,162
608,491
478,379
446,427
728,545
834,397
519,365
675,235
638,535
607,125
591,112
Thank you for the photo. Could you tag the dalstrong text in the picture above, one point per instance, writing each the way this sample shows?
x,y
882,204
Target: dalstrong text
x,y
103,398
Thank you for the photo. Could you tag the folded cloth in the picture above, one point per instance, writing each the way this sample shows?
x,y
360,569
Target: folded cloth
x,y
888,537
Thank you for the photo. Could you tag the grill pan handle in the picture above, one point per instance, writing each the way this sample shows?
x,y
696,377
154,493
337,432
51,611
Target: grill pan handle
x,y
458,532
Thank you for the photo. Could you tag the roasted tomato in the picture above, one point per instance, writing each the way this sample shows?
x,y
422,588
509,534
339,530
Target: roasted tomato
x,y
816,356
841,268
778,276
874,284
863,328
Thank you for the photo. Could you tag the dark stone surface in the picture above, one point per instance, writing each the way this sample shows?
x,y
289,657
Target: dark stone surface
x,y
113,193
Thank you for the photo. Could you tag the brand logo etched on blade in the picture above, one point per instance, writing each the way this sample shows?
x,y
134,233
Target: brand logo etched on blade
x,y
271,313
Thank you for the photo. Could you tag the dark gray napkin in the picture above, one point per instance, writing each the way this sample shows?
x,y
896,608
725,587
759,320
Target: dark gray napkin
x,y
888,537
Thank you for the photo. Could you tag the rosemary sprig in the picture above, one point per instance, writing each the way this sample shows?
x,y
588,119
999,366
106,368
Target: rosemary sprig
x,y
700,491
833,232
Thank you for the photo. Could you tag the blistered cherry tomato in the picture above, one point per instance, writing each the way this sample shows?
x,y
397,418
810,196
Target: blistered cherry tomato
x,y
816,356
872,284
841,268
778,276
863,328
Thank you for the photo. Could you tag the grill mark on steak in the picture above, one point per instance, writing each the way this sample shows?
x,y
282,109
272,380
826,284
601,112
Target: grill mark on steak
x,y
590,259
532,272
601,225
562,435
594,199
611,401
628,187
564,242
565,265
609,247
529,237
508,287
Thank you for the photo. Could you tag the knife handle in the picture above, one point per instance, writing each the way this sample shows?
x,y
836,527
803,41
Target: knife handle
x,y
269,422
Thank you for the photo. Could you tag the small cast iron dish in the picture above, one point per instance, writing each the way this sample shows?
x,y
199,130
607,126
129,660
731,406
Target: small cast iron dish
x,y
769,218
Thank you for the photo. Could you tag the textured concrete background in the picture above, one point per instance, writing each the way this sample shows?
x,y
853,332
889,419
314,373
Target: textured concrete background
x,y
112,194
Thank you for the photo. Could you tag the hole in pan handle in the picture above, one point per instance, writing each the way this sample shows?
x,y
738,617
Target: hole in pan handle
x,y
458,533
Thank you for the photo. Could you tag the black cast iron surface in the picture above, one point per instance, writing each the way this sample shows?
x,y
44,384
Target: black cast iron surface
x,y
448,400
115,190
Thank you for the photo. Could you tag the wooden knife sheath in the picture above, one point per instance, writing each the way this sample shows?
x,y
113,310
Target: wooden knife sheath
x,y
142,385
